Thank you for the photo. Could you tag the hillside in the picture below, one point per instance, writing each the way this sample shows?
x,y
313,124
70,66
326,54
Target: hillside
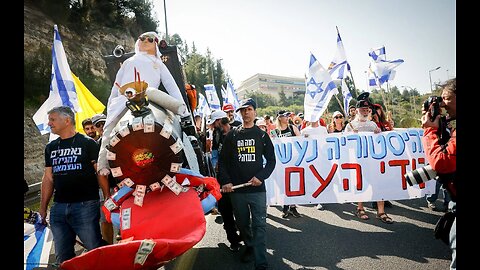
x,y
81,50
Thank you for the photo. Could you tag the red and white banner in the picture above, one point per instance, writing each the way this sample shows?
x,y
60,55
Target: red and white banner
x,y
347,167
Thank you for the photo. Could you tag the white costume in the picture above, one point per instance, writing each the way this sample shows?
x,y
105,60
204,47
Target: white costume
x,y
151,69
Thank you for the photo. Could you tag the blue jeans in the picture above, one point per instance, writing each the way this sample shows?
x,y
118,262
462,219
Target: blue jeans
x,y
252,231
67,220
433,197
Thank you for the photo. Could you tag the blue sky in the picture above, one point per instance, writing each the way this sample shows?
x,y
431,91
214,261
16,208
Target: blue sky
x,y
276,36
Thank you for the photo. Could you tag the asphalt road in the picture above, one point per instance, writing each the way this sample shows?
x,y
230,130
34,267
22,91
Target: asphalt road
x,y
332,239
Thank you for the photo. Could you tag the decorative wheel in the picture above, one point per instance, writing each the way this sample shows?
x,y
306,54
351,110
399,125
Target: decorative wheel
x,y
144,151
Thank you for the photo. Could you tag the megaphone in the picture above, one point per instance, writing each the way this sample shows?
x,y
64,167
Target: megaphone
x,y
118,51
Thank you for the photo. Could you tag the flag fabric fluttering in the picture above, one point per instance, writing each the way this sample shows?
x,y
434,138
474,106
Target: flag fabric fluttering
x,y
202,108
232,98
62,86
37,243
88,102
66,89
381,70
212,96
338,69
339,66
224,94
319,90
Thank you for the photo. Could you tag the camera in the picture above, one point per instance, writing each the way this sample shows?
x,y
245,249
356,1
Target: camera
x,y
420,175
435,108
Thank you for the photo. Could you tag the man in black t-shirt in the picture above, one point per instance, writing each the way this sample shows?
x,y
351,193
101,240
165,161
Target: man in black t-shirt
x,y
241,162
69,176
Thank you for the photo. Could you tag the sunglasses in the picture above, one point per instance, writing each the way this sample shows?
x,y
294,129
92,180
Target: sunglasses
x,y
336,117
150,39
98,125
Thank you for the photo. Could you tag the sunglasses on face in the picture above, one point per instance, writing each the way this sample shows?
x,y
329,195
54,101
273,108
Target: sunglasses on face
x,y
336,117
99,125
150,39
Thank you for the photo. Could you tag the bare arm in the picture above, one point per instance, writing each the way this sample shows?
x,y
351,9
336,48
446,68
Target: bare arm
x,y
46,192
103,183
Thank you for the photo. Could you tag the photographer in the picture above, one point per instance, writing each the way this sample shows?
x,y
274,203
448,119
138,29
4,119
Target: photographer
x,y
440,152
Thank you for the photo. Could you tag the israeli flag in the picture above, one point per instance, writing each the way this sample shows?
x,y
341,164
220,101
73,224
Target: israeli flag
x,y
224,94
212,97
202,108
37,243
62,87
232,98
339,66
378,54
347,96
320,89
380,70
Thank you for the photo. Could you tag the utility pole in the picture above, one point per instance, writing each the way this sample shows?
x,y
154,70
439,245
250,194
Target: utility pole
x,y
166,27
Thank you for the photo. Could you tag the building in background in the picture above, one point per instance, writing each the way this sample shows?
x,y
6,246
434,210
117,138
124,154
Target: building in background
x,y
271,85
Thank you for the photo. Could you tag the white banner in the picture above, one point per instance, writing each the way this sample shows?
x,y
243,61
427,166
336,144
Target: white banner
x,y
347,167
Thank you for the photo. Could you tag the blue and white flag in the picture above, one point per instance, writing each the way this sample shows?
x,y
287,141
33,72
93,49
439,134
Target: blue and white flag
x,y
224,94
339,66
37,243
347,96
380,70
378,54
62,87
232,97
212,97
202,108
320,89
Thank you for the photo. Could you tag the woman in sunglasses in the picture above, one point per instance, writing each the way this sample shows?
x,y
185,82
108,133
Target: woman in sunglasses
x,y
337,124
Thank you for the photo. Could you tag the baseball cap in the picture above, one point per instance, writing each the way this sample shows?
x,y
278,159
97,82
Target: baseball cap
x,y
247,102
215,116
98,118
227,107
283,113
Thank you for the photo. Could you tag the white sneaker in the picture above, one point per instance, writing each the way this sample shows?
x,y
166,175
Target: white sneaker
x,y
431,205
319,207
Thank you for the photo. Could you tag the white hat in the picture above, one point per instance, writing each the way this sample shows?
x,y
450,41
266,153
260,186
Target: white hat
x,y
99,118
335,113
261,122
219,114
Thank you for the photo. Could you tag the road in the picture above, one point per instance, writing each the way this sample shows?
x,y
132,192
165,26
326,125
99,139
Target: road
x,y
332,239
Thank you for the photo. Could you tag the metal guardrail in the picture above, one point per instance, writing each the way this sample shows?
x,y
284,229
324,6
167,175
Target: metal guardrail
x,y
32,196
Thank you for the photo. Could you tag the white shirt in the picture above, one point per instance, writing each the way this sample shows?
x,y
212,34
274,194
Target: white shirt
x,y
309,131
361,126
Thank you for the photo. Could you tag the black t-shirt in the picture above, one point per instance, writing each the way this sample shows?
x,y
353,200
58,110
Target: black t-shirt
x,y
74,176
217,138
242,155
288,132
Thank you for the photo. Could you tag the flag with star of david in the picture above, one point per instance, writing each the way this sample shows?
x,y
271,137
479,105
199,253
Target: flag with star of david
x,y
320,89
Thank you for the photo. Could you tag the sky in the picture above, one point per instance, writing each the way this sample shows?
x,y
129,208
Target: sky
x,y
277,36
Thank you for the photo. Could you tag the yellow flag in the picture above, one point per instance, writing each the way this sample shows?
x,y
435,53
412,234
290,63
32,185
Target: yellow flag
x,y
87,101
